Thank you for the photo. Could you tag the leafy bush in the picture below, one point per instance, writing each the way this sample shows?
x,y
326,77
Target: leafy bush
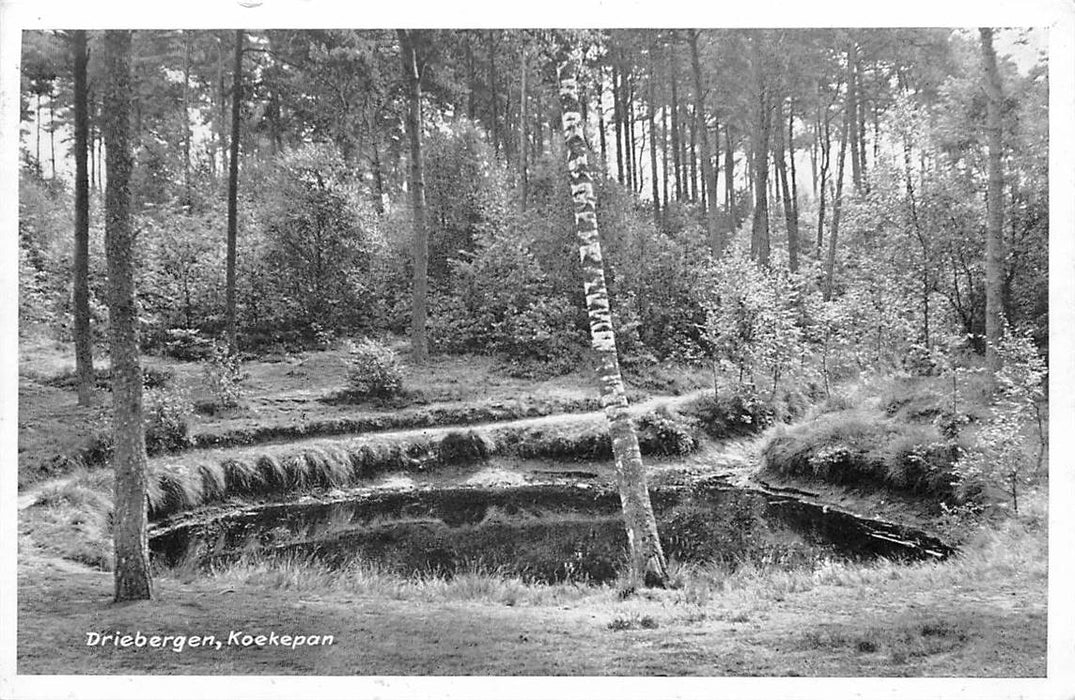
x,y
375,371
167,416
730,415
751,322
1000,456
223,376
660,434
187,344
462,448
504,304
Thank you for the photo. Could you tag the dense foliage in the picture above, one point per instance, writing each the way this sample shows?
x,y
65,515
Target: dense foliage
x,y
699,271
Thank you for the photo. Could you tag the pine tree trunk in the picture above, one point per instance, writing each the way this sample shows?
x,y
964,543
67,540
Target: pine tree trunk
x,y
601,122
791,164
677,164
629,111
994,251
789,208
665,189
378,177
130,521
825,146
416,184
852,117
52,129
716,242
81,272
522,129
860,93
759,242
233,194
493,102
729,180
651,108
693,156
830,263
186,117
617,117
647,563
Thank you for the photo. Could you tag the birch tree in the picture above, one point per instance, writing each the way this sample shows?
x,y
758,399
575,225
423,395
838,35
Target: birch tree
x,y
647,563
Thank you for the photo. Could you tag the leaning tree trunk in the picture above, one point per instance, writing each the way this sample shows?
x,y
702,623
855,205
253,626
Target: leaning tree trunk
x,y
647,564
81,296
130,521
995,221
230,322
416,184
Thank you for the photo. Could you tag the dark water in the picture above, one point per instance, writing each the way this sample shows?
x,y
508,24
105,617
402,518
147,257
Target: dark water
x,y
541,533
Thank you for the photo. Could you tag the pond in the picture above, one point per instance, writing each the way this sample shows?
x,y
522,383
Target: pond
x,y
545,533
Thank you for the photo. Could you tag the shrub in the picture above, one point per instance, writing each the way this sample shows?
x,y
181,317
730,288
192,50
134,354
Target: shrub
x,y
223,376
462,448
730,415
187,344
167,420
375,371
660,434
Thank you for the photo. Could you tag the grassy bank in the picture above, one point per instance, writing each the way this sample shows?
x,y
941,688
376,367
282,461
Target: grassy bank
x,y
981,613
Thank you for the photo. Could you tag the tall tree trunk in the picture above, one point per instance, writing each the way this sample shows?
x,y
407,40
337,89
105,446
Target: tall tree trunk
x,y
629,111
782,174
81,273
617,117
601,122
233,194
647,563
994,244
130,518
186,117
759,242
37,130
52,129
716,242
852,116
472,80
665,190
695,194
830,263
378,177
412,74
791,163
522,128
222,93
650,109
729,179
861,127
92,139
677,164
495,117
825,145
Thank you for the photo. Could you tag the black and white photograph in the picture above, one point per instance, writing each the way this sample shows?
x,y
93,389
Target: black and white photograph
x,y
468,355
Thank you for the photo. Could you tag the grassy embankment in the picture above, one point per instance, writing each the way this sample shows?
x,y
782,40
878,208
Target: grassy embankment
x,y
980,613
